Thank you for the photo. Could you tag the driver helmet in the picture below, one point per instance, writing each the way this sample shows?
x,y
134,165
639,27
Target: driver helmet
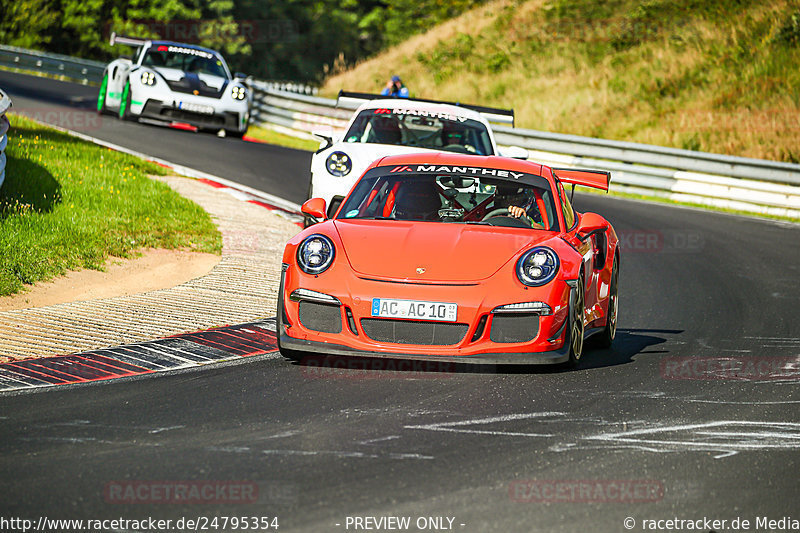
x,y
506,195
452,134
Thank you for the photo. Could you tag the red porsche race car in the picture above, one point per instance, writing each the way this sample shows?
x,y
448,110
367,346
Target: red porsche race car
x,y
447,257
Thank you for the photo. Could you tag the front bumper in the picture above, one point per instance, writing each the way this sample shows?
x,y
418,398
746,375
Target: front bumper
x,y
228,120
348,328
534,358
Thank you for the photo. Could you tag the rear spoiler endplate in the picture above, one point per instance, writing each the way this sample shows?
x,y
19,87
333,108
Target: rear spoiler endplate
x,y
351,100
597,179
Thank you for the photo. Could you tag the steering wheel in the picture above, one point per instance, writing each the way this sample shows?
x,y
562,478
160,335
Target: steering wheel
x,y
503,212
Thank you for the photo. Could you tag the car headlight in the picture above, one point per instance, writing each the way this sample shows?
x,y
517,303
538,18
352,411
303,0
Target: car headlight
x,y
315,254
537,266
339,164
238,92
148,78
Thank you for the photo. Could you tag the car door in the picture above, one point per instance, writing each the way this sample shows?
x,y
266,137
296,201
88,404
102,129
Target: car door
x,y
587,249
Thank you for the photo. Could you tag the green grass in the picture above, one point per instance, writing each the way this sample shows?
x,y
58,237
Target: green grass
x,y
67,204
281,139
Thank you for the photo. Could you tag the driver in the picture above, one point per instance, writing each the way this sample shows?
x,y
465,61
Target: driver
x,y
520,202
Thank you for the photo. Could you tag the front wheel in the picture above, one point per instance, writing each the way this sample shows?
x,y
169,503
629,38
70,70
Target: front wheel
x,y
287,353
576,324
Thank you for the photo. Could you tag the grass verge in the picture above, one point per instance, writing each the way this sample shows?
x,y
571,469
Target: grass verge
x,y
67,204
270,136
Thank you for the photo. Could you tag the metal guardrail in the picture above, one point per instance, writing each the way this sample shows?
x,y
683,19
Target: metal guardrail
x,y
83,70
88,71
740,183
5,125
752,185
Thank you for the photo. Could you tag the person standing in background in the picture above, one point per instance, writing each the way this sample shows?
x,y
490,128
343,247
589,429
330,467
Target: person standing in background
x,y
395,88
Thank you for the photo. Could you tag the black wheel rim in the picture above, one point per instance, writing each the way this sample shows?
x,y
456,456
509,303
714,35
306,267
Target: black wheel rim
x,y
612,303
577,322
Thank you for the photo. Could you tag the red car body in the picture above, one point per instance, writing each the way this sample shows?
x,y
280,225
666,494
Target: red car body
x,y
457,281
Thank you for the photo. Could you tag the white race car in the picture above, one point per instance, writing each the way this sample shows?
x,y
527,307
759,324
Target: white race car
x,y
384,126
171,82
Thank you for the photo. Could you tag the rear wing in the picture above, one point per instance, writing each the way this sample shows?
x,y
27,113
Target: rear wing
x,y
121,39
598,179
351,100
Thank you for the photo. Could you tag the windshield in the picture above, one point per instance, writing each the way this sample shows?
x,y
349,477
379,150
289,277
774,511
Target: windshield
x,y
405,127
451,199
185,59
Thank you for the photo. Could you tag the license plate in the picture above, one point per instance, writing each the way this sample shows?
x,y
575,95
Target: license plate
x,y
387,308
196,108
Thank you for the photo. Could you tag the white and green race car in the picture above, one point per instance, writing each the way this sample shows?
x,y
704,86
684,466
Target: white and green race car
x,y
168,82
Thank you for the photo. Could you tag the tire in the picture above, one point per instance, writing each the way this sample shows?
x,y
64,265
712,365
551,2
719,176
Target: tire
x,y
606,337
125,102
101,96
576,324
293,355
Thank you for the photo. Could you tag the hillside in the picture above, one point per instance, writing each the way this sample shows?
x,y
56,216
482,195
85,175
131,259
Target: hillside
x,y
718,76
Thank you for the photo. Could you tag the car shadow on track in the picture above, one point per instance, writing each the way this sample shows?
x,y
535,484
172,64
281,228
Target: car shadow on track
x,y
628,343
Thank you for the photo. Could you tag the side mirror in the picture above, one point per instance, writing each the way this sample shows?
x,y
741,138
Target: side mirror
x,y
315,207
515,152
591,224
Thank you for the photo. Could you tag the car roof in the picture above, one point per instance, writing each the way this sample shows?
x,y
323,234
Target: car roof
x,y
465,160
402,103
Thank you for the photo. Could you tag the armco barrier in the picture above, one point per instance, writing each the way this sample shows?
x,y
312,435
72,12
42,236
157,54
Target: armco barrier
x,y
5,125
745,184
83,70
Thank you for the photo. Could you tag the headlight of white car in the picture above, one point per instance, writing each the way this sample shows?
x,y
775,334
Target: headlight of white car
x,y
148,78
339,164
238,92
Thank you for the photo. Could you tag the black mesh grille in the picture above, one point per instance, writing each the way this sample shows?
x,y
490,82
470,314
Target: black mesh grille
x,y
514,328
413,332
180,114
321,317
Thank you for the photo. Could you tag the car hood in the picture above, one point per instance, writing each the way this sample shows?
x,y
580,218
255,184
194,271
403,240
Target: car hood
x,y
431,251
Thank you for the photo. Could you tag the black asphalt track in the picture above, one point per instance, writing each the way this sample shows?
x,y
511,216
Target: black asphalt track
x,y
692,415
